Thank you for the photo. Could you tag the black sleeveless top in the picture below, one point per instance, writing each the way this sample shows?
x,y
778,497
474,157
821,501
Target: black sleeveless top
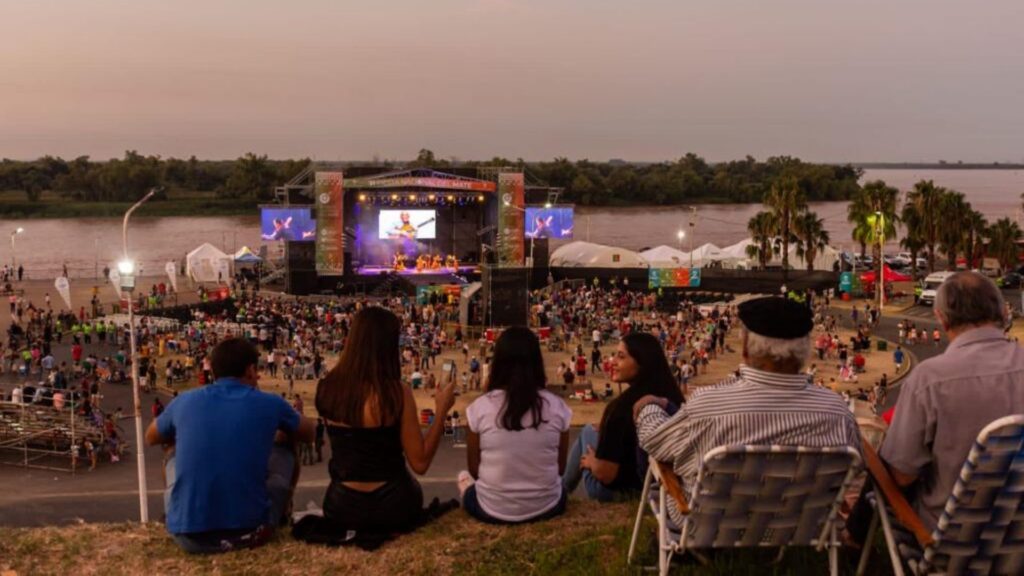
x,y
366,454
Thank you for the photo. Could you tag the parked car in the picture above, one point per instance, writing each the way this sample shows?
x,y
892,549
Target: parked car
x,y
931,284
1011,280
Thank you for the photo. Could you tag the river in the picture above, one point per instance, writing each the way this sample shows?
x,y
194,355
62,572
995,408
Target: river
x,y
87,244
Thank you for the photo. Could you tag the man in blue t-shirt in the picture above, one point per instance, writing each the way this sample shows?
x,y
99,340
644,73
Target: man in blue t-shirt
x,y
228,484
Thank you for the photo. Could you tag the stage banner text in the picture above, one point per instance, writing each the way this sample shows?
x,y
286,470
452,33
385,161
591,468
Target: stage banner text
x,y
330,229
673,278
511,219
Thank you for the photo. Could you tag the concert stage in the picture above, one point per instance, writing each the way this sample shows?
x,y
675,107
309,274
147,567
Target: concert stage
x,y
443,272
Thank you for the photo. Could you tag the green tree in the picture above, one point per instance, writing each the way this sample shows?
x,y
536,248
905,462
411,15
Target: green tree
x,y
762,228
785,200
925,197
972,244
1003,236
253,177
954,211
812,238
913,239
873,198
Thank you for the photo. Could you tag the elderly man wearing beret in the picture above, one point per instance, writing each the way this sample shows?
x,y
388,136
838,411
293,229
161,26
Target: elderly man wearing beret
x,y
770,401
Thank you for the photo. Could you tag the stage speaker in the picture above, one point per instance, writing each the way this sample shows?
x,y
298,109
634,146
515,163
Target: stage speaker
x,y
540,252
302,255
302,282
505,291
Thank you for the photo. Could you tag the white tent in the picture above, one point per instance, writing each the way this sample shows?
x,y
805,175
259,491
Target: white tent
x,y
665,257
206,262
823,260
705,255
735,256
587,255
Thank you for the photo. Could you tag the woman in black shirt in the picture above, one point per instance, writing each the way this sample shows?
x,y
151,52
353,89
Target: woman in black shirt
x,y
607,459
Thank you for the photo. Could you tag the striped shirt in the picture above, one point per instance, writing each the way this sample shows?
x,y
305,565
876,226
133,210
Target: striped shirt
x,y
756,408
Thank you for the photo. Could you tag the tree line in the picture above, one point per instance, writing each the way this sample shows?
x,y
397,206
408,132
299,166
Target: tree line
x,y
690,179
929,220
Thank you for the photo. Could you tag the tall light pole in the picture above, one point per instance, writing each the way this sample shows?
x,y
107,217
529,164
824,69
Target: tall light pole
x,y
881,262
127,269
14,261
693,222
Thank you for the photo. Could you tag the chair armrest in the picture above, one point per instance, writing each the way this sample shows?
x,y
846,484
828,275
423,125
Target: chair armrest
x,y
670,481
901,509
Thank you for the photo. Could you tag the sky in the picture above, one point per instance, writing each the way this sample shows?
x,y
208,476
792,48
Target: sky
x,y
642,80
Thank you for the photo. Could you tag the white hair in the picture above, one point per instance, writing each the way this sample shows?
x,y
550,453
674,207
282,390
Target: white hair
x,y
778,350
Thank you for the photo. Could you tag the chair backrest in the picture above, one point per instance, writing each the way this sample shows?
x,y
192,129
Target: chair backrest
x,y
768,495
981,530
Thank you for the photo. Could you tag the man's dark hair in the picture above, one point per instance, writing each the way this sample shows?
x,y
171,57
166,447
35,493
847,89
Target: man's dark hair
x,y
232,357
970,299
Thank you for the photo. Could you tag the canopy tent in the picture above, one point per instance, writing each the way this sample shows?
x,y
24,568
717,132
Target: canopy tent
x,y
887,273
704,255
665,257
246,256
208,264
586,255
736,256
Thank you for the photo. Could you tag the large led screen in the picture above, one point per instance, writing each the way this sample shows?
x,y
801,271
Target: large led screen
x,y
407,225
554,222
288,224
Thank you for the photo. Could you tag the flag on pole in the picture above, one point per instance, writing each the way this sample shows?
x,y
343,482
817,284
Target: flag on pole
x,y
64,289
115,279
172,274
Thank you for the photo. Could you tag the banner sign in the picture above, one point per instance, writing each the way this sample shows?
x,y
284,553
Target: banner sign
x,y
846,282
426,182
64,289
511,219
172,274
673,278
330,229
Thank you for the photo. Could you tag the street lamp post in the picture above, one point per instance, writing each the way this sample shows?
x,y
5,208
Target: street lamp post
x,y
693,222
127,269
14,261
881,262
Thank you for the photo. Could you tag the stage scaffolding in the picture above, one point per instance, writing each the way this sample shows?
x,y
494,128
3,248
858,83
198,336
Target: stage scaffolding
x,y
41,437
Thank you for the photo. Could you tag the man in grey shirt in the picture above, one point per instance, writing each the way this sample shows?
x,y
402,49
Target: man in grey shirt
x,y
947,400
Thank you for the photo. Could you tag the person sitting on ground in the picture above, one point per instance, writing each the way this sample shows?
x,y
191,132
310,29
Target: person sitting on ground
x,y
606,458
771,402
373,426
228,484
518,439
946,400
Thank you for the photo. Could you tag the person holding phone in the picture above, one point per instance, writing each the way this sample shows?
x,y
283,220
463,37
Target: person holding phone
x,y
518,438
374,431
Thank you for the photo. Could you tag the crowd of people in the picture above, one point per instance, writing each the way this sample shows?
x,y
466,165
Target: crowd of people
x,y
235,452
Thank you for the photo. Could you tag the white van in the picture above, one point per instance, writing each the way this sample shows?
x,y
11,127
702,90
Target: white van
x,y
931,284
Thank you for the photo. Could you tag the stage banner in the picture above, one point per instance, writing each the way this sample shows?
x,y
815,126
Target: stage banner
x,y
330,227
511,219
172,274
673,278
64,289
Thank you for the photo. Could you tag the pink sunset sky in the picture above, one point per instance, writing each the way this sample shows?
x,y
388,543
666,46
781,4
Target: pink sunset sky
x,y
641,80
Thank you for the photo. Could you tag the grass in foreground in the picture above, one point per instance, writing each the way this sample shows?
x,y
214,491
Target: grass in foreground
x,y
590,539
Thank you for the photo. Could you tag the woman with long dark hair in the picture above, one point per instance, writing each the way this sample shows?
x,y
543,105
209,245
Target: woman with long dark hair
x,y
374,431
518,438
606,459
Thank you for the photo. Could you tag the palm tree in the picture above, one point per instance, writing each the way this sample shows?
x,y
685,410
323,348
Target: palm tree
x,y
953,211
762,231
925,198
972,245
913,240
812,237
785,200
875,197
1002,242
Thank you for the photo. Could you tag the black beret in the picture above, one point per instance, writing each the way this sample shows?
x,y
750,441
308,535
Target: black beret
x,y
776,317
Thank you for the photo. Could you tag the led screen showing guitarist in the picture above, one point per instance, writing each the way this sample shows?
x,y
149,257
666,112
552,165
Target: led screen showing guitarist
x,y
407,224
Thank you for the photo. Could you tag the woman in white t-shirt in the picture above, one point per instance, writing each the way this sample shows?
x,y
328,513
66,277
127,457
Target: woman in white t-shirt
x,y
518,438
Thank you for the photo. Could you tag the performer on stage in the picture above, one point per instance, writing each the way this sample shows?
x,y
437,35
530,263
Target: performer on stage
x,y
398,262
541,227
421,262
435,262
451,262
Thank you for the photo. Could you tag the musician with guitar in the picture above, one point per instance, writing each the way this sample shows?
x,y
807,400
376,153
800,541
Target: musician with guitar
x,y
405,229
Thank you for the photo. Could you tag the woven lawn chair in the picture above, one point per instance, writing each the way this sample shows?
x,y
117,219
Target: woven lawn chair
x,y
981,530
751,496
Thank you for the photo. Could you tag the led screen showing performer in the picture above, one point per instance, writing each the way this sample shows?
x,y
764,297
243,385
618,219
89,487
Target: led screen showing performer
x,y
287,224
407,225
555,222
